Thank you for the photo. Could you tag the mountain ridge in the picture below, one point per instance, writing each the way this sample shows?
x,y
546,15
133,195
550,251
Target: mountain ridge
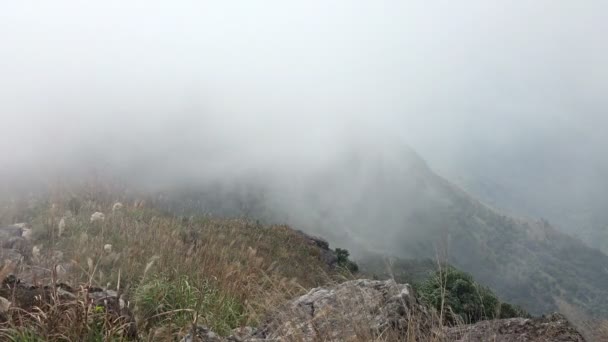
x,y
390,201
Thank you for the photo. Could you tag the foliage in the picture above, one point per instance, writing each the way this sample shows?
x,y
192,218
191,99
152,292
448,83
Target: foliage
x,y
345,262
179,301
462,299
21,335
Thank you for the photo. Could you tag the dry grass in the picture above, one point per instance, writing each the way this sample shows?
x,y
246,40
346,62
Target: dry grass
x,y
170,270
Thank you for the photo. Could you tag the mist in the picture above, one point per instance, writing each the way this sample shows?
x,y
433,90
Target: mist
x,y
160,94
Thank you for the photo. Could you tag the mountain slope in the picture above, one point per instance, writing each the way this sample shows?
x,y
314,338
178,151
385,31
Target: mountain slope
x,y
388,201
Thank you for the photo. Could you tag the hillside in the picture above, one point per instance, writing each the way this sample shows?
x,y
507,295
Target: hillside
x,y
560,178
170,269
79,270
381,201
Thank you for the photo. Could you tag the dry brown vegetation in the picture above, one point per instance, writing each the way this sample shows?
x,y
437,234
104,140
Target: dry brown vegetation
x,y
171,271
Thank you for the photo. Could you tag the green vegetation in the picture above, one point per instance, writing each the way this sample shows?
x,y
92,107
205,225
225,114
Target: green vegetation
x,y
179,302
345,262
225,273
21,335
461,299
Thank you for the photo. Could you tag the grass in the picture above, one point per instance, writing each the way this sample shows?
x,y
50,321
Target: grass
x,y
223,273
172,271
178,302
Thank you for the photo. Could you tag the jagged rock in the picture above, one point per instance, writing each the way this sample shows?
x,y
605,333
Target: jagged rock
x,y
367,310
201,334
358,309
552,328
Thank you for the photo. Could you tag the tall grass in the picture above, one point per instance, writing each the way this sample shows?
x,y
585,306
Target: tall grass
x,y
170,270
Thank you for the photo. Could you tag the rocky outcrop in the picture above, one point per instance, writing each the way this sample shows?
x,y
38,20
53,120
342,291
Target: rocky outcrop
x,y
552,328
358,310
362,309
15,245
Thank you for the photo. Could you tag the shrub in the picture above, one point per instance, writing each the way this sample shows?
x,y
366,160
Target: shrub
x,y
344,261
463,299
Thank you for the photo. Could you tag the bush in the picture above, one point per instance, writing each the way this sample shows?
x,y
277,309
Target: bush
x,y
464,299
344,262
509,311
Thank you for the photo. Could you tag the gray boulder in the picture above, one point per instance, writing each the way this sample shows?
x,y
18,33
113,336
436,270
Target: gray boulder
x,y
552,328
369,310
7,232
354,310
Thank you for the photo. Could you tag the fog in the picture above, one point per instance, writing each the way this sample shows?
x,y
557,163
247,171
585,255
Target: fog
x,y
162,92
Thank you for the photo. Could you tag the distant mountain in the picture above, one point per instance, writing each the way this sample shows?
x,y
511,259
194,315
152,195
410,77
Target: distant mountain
x,y
389,201
561,179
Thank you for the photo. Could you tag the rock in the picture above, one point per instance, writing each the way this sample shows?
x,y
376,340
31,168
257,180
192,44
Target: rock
x,y
16,242
242,334
369,310
10,256
112,300
8,232
26,233
545,329
5,304
358,310
36,253
201,334
98,217
354,310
